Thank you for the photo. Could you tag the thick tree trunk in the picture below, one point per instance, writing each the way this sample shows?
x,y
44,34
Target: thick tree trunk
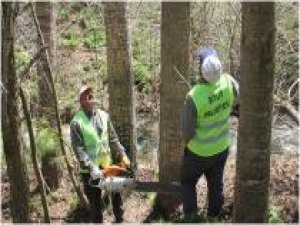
x,y
11,121
121,101
51,167
257,81
175,29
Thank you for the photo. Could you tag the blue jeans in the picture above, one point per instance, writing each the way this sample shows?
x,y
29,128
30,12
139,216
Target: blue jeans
x,y
192,169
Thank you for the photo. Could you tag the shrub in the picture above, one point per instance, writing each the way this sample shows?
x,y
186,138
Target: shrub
x,y
69,40
47,140
22,58
94,38
274,215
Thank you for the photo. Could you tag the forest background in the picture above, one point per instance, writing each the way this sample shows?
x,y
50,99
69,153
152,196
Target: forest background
x,y
80,57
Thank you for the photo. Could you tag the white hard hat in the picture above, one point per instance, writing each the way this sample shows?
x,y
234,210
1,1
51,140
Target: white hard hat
x,y
211,69
83,89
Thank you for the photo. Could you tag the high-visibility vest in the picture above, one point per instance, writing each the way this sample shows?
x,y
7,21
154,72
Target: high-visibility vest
x,y
97,147
213,103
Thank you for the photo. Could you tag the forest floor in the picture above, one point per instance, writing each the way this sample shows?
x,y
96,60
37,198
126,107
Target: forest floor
x,y
137,205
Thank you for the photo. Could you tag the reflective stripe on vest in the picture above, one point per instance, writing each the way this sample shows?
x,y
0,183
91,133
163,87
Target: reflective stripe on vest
x,y
213,139
213,103
97,147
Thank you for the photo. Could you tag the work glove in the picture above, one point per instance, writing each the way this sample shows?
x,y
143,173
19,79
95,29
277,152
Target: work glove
x,y
124,161
95,172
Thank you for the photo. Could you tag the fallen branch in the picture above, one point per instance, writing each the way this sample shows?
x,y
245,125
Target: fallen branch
x,y
287,107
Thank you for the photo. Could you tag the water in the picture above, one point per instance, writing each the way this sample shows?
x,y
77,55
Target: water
x,y
285,133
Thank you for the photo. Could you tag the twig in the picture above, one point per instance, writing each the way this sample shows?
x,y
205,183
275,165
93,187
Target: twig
x,y
63,30
182,77
34,157
32,61
291,89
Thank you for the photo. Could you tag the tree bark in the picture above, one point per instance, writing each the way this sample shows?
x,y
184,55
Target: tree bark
x,y
257,82
175,29
11,121
121,100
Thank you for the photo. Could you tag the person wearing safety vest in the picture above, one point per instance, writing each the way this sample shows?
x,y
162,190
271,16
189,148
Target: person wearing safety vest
x,y
205,131
96,146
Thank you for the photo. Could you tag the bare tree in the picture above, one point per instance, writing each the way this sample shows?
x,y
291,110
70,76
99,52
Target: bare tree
x,y
45,12
11,121
257,81
121,101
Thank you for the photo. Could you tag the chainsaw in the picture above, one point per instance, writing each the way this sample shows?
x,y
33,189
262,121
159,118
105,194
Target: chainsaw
x,y
116,179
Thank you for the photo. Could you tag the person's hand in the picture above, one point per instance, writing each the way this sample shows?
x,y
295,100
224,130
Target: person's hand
x,y
124,161
95,172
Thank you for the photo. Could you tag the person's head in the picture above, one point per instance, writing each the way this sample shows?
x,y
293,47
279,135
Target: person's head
x,y
86,98
209,64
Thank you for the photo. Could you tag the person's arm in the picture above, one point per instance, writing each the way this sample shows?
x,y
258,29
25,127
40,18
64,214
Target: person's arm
x,y
78,145
188,120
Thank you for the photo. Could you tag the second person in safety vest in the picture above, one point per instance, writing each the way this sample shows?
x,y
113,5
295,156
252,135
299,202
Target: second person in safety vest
x,y
96,146
205,130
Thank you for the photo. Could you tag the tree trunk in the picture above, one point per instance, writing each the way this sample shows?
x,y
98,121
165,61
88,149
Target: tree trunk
x,y
46,18
121,101
51,168
47,67
257,81
11,121
175,29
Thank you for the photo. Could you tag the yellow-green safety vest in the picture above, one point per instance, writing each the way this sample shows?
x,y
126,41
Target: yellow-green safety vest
x,y
213,103
97,147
